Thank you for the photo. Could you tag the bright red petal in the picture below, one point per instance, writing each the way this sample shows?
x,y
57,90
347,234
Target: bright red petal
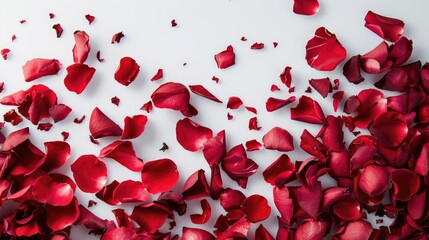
x,y
120,233
150,217
305,7
127,71
102,126
278,139
40,67
130,191
123,152
89,173
196,234
234,103
158,75
171,95
273,104
191,135
226,58
308,111
262,233
389,29
257,46
4,52
60,217
159,175
46,190
256,208
202,91
286,77
134,126
78,77
81,48
196,186
280,172
57,153
253,145
205,216
322,86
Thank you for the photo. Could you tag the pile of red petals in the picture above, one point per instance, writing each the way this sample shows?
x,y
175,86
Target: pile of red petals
x,y
383,172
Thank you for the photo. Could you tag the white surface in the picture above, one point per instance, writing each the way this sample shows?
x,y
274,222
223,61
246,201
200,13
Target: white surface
x,y
204,29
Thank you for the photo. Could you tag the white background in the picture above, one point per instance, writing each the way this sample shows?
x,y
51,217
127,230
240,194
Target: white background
x,y
204,29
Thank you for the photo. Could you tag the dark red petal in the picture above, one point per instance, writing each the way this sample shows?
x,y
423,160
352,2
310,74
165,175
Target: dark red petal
x,y
216,184
257,46
308,111
150,217
251,109
196,234
389,128
57,153
348,209
159,175
311,230
79,120
262,233
119,233
123,152
46,190
122,218
375,61
158,75
333,136
389,29
196,186
216,79
44,126
253,145
256,208
238,166
234,103
373,180
359,228
229,116
98,56
371,103
253,124
324,52
332,195
338,96
278,139
40,67
78,77
115,100
322,86
90,18
400,51
405,184
102,126
286,77
15,138
231,199
310,199
93,140
59,112
117,37
280,172
12,117
422,163
202,91
106,193
305,7
130,191
65,135
205,216
81,48
59,217
4,52
226,58
89,173
51,15
173,23
191,135
190,111
134,126
214,149
58,29
171,95
174,201
127,71
273,104
395,80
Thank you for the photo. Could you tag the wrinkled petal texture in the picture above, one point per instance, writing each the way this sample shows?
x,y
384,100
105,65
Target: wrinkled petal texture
x,y
89,173
82,47
40,67
159,175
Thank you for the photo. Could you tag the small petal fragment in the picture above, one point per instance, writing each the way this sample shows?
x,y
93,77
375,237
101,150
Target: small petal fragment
x,y
90,18
4,52
40,67
81,48
322,86
234,103
202,91
127,71
205,216
273,104
226,58
158,75
117,37
390,129
102,126
58,29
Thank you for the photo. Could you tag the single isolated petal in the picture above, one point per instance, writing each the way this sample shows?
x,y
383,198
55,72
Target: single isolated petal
x,y
196,234
389,29
134,126
57,153
81,48
305,7
308,111
256,208
150,217
127,71
59,112
389,128
202,91
116,38
273,104
171,95
158,75
280,172
274,88
205,216
60,217
58,29
351,70
234,102
115,100
89,173
90,18
191,135
40,67
78,77
12,117
123,152
324,52
257,46
253,124
253,145
278,139
251,109
322,86
4,52
159,175
226,58
147,107
98,56
102,126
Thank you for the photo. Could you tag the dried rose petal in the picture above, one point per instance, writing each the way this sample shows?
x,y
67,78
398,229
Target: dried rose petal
x,y
115,100
257,46
159,175
237,166
253,145
56,193
40,67
197,234
102,126
134,126
65,135
226,58
256,208
4,52
202,91
58,29
305,7
389,128
278,139
98,56
324,52
196,186
123,152
171,95
273,104
79,120
234,103
127,71
59,217
205,216
322,86
78,77
57,153
389,29
12,117
117,37
90,18
89,173
253,124
173,23
405,184
191,135
308,111
150,217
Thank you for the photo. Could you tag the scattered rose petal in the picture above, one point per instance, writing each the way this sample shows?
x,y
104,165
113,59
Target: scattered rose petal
x,y
12,117
257,46
322,86
205,216
79,120
4,52
226,58
389,29
81,48
40,67
305,7
59,112
405,184
308,111
234,103
51,15
197,234
351,70
214,149
150,217
202,91
376,61
130,191
59,217
171,95
274,104
159,175
58,29
196,186
262,233
147,107
44,126
117,37
237,166
123,152
311,229
275,44
280,172
286,77
278,139
57,153
256,208
253,145
89,173
48,190
338,96
253,124
98,56
274,88
192,136
164,147
65,135
127,71
173,23
90,18
216,79
78,77
102,126
251,109
229,116
356,228
119,233
115,100
134,126
158,75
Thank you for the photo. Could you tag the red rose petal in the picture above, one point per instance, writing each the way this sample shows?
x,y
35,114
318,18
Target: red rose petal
x,y
422,164
57,153
389,128
205,216
150,217
102,126
174,201
371,104
47,190
332,195
253,145
348,209
333,136
15,138
253,124
89,220
147,107
51,15
158,75
65,135
274,88
130,191
305,7
234,103
310,199
251,109
81,48
89,173
117,37
226,58
12,117
216,184
78,77
4,52
373,180
324,52
59,217
216,79
79,120
256,208
237,166
214,149
196,186
134,126
44,126
262,233
338,96
389,29
196,234
322,86
359,228
98,56
278,139
202,91
308,111
59,112
173,23
90,18
400,51
115,100
58,29
159,175
309,171
231,199
375,61
123,152
405,184
127,71
191,135
171,95
40,67
280,172
122,219
257,46
351,70
273,104
119,233
311,230
106,193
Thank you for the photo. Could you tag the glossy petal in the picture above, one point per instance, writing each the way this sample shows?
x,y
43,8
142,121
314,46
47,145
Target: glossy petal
x,y
225,58
389,29
310,230
81,48
46,190
196,186
308,111
234,103
322,86
127,71
171,95
273,104
205,216
305,7
134,126
123,152
78,77
202,91
238,166
59,112
196,234
159,175
101,125
278,139
89,173
150,217
191,135
59,217
256,208
57,153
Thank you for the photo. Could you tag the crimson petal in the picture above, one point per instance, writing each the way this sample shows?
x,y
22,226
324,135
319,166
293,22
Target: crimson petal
x,y
273,104
375,61
101,125
58,29
47,190
253,145
130,191
12,117
225,58
389,29
123,152
286,77
202,91
237,166
262,233
59,112
359,228
78,77
231,199
196,186
283,201
89,173
171,95
389,128
81,48
150,217
305,7
322,86
90,18
405,184
311,230
4,52
280,172
117,37
278,139
191,135
234,103
127,71
348,209
158,75
134,126
308,111
120,233
214,148
59,217
40,67
196,234
310,199
203,217
159,175
57,153
256,208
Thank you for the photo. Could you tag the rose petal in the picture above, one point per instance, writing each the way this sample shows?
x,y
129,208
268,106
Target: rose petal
x,y
127,71
234,103
310,199
422,164
256,208
123,152
90,18
117,37
333,136
98,56
400,51
59,112
119,233
305,7
58,29
251,109
134,126
191,135
59,217
389,128
280,172
308,111
214,149
81,48
159,175
12,117
158,75
324,52
202,91
102,126
278,139
257,46
373,180
122,219
15,138
171,95
312,146
205,216
332,195
147,107
253,124
253,145
283,202
106,193
150,217
237,166
79,120
57,153
273,104
28,158
371,104
310,170
322,86
359,228
348,209
4,52
196,234
375,61
40,67
216,184
89,220
311,230
196,186
47,190
78,77
286,77
274,88
405,184
89,173
225,58
130,191
262,233
389,29
338,96
231,199
174,201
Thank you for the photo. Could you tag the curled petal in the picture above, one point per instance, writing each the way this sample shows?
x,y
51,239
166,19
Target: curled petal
x,y
122,218
150,217
324,52
158,75
60,217
214,149
120,233
400,51
123,152
82,47
375,61
78,77
278,139
234,103
90,18
286,77
134,126
106,193
58,29
322,86
196,234
332,195
216,184
231,199
280,172
351,70
205,216
127,71
371,104
40,67
196,186
57,153
147,107
389,29
101,125
59,112
262,233
312,146
253,124
389,128
338,96
405,184
225,58
130,191
4,52
273,104
238,166
12,117
333,136
308,111
202,91
116,38
257,46
47,190
311,230
256,208
89,173
305,7
309,171
171,95
191,135
159,175
15,138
